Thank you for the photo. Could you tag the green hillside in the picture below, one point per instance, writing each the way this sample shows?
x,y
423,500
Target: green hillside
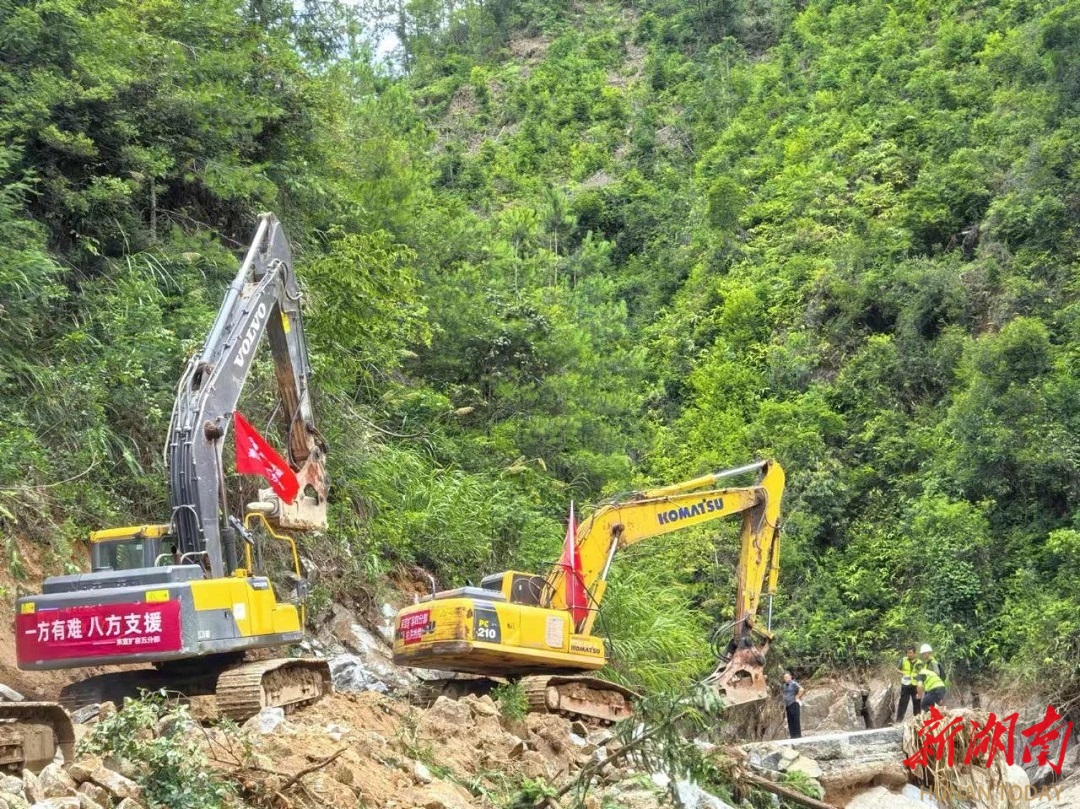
x,y
554,251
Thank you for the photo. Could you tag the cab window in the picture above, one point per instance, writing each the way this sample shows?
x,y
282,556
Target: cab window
x,y
119,554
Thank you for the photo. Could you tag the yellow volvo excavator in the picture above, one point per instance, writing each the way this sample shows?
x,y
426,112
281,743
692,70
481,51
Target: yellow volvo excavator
x,y
189,595
519,625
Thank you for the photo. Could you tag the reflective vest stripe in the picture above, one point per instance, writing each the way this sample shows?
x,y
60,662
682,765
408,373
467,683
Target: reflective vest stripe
x,y
930,680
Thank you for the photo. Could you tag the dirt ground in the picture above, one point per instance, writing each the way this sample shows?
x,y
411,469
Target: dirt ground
x,y
382,753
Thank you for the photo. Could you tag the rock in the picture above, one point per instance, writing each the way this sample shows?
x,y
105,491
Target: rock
x,y
421,773
691,796
881,704
807,766
266,721
450,711
106,709
10,694
1016,776
771,759
580,728
882,798
1041,776
815,707
115,784
85,714
82,768
57,803
337,732
368,664
32,787
924,799
172,724
15,800
661,780
86,803
845,714
55,783
125,767
93,792
484,706
600,737
788,755
128,803
11,784
517,749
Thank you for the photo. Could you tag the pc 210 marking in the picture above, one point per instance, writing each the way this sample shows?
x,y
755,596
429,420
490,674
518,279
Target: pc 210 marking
x,y
486,625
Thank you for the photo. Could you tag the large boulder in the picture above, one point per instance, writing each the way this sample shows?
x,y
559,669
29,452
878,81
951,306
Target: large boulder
x,y
845,713
55,783
881,798
881,703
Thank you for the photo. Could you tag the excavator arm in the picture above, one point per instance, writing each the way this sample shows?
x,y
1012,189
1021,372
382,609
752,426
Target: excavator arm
x,y
263,298
654,512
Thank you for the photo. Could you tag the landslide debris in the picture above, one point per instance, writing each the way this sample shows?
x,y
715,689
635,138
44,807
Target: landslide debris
x,y
357,749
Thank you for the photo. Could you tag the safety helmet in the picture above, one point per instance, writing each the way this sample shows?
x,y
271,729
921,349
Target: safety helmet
x,y
925,648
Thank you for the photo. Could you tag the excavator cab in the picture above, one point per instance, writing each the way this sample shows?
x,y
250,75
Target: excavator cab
x,y
517,587
129,548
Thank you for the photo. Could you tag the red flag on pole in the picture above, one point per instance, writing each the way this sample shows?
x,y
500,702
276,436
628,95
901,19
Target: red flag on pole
x,y
577,599
254,456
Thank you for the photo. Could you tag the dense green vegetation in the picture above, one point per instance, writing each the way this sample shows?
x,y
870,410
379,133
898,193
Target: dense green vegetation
x,y
555,251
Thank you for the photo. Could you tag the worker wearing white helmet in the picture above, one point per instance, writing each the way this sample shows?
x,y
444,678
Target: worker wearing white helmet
x,y
930,686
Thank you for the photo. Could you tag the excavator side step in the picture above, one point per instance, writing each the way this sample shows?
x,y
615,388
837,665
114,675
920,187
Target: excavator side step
x,y
31,733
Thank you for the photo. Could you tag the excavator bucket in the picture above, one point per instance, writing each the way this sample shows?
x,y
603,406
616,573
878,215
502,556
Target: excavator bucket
x,y
741,679
31,733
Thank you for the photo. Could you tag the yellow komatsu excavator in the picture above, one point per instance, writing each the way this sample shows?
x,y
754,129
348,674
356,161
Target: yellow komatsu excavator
x,y
519,625
190,596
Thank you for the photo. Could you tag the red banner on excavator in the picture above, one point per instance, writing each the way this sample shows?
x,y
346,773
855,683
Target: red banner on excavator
x,y
98,630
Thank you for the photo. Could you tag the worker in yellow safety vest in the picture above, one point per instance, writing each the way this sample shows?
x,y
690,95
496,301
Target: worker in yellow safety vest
x,y
909,668
931,688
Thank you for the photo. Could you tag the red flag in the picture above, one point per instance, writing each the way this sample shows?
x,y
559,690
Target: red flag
x,y
254,456
577,599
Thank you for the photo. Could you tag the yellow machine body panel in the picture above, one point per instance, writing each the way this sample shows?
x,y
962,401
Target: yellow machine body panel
x,y
479,635
254,609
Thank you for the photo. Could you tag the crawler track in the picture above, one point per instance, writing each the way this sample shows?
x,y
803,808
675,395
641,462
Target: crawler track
x,y
584,697
240,690
30,734
287,683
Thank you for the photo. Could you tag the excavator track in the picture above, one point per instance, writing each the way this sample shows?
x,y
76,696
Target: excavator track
x,y
581,697
240,691
31,733
286,683
577,697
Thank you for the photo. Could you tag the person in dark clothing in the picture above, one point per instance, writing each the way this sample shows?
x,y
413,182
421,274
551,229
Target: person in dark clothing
x,y
909,668
793,693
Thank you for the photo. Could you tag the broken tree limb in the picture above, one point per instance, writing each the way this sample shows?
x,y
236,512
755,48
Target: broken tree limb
x,y
783,792
308,770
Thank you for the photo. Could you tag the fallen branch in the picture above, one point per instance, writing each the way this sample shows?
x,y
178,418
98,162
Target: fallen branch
x,y
308,770
589,772
784,792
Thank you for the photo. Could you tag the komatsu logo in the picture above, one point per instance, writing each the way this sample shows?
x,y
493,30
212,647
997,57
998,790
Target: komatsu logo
x,y
683,512
251,337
